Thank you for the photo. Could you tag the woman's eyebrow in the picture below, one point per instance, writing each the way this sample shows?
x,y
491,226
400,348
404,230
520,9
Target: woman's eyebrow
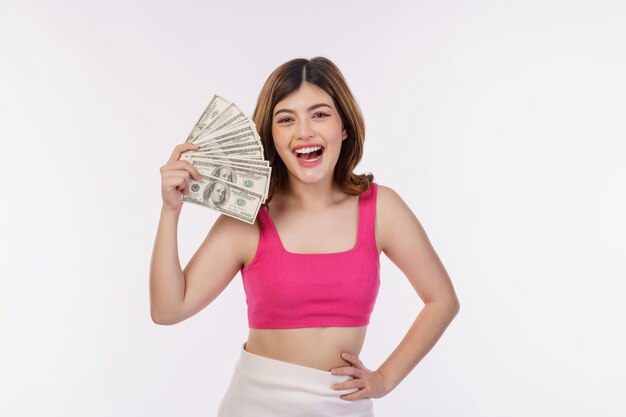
x,y
313,107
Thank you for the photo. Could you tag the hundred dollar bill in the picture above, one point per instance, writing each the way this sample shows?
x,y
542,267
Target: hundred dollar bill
x,y
230,159
237,145
215,108
245,178
237,160
263,171
255,152
242,133
225,197
257,163
241,163
260,171
229,117
248,153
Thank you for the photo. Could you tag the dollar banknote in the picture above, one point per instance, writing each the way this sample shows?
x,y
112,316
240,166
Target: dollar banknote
x,y
215,107
225,197
235,176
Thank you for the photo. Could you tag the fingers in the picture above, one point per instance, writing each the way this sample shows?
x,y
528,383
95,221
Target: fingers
x,y
353,383
182,166
351,370
357,395
347,370
176,175
176,180
361,386
179,149
351,358
359,377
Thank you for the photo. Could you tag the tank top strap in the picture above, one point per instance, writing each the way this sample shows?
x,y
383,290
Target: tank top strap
x,y
268,238
368,219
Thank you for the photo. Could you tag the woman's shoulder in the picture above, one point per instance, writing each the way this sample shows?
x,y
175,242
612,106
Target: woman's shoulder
x,y
386,194
389,201
244,236
393,214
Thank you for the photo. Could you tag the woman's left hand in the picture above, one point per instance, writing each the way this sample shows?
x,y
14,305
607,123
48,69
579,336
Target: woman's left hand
x,y
372,384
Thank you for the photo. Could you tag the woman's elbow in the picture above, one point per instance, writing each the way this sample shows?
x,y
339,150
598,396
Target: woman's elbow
x,y
161,319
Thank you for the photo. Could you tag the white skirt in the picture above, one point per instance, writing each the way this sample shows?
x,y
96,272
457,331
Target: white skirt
x,y
266,387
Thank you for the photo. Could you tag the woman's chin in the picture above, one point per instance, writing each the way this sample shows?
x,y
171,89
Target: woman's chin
x,y
309,177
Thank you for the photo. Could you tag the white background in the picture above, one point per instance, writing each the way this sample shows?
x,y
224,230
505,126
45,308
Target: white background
x,y
501,124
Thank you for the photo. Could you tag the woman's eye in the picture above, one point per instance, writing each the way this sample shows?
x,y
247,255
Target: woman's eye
x,y
285,119
321,114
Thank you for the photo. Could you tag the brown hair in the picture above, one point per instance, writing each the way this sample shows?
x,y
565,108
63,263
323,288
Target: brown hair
x,y
323,73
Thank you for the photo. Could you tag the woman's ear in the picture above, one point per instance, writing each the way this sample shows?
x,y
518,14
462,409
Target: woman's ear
x,y
344,134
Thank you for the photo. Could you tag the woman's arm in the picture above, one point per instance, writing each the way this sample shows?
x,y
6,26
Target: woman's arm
x,y
405,243
175,294
167,281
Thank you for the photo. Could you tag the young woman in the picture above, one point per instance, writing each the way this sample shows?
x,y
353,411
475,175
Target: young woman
x,y
310,263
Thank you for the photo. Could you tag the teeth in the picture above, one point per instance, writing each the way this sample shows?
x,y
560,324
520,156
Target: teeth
x,y
308,150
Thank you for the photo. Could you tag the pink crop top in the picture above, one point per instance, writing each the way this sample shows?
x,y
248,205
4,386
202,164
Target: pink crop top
x,y
290,290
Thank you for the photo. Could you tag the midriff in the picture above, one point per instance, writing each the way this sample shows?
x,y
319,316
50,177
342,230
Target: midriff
x,y
314,347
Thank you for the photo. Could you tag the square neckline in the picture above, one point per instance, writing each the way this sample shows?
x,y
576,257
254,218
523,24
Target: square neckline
x,y
358,233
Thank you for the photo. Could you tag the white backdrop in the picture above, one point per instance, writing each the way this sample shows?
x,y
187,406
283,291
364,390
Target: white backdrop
x,y
501,124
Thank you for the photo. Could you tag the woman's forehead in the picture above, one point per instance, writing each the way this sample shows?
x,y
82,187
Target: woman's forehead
x,y
304,96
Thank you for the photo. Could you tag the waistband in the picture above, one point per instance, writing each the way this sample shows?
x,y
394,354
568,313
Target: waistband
x,y
268,368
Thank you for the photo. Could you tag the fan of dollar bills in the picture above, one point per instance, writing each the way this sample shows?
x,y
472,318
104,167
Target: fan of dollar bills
x,y
235,175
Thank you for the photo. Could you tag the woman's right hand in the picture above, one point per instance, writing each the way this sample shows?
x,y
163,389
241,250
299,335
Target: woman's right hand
x,y
175,176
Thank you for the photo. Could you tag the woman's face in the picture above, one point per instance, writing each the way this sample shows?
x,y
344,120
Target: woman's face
x,y
308,119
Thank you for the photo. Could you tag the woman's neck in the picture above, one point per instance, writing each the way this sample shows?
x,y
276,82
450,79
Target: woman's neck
x,y
312,196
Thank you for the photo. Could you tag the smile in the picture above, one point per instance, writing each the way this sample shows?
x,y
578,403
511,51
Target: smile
x,y
310,153
309,156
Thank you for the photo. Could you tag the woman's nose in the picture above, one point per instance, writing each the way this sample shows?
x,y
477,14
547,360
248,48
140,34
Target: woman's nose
x,y
304,129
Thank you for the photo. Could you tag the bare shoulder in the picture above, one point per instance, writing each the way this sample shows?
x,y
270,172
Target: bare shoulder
x,y
389,197
394,218
403,239
244,236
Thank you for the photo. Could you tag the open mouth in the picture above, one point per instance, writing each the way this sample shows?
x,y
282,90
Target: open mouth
x,y
310,156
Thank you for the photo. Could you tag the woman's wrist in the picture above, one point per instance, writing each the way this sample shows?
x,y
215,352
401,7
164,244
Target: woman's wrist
x,y
170,212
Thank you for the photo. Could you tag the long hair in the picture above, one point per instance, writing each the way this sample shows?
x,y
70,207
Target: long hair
x,y
287,79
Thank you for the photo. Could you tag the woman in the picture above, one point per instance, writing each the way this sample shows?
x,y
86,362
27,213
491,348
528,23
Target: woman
x,y
310,284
